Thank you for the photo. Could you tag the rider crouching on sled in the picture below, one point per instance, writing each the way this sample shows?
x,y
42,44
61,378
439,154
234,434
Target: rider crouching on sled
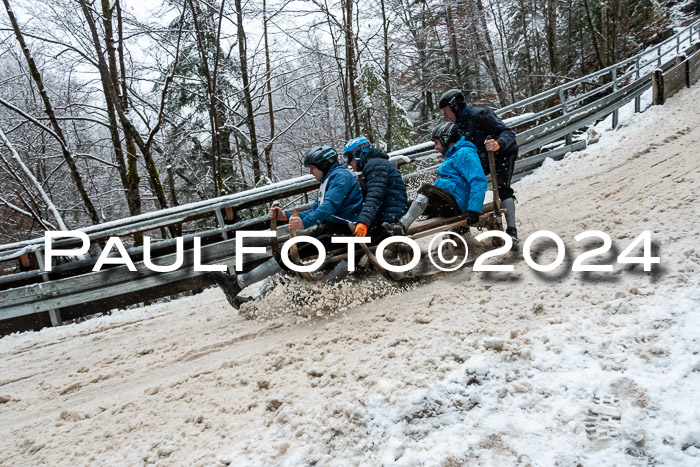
x,y
383,190
460,188
339,201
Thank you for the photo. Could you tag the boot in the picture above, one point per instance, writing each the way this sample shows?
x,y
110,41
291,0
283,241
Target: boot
x,y
257,295
414,211
241,299
265,270
394,228
339,272
509,205
513,233
229,285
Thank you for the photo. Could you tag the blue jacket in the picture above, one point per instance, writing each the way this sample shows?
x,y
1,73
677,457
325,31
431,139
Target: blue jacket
x,y
476,123
339,195
383,189
462,176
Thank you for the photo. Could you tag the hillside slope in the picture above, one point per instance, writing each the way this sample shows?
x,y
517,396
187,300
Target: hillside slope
x,y
485,368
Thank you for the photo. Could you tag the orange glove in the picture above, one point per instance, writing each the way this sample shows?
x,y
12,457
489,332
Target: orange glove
x,y
360,230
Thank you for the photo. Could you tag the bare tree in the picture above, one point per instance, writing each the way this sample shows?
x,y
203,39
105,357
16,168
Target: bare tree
x,y
34,182
67,156
250,115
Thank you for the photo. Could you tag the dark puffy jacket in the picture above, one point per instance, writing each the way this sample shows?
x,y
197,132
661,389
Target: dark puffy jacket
x,y
383,189
339,199
476,123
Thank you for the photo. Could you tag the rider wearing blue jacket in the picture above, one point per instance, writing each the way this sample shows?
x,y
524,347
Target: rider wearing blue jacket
x,y
339,201
482,127
461,178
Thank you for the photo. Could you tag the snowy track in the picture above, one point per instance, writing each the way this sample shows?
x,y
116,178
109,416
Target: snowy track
x,y
477,368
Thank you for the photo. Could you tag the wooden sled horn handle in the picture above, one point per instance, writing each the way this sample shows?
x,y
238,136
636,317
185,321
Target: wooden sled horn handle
x,y
368,252
273,226
294,253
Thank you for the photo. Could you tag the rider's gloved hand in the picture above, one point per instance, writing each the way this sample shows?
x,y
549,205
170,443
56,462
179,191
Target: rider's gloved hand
x,y
360,230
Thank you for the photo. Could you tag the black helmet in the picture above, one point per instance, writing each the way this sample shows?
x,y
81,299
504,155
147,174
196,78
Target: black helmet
x,y
323,157
454,99
446,132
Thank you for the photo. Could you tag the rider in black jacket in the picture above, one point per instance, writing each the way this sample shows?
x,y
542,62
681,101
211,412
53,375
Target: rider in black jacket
x,y
383,190
477,124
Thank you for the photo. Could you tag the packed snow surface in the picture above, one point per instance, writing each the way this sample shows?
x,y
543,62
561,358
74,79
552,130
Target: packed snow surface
x,y
478,368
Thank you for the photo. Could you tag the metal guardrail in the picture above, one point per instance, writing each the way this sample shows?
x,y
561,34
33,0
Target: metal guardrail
x,y
72,288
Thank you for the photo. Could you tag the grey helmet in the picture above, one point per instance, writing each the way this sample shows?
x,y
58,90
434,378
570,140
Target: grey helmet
x,y
446,132
454,99
323,157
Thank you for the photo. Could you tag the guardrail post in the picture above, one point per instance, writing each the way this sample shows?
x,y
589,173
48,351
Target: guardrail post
x,y
657,83
221,222
564,111
54,315
638,99
615,115
658,60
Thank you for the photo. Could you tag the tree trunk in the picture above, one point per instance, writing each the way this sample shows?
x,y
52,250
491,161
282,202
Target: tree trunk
x,y
506,53
131,156
551,34
350,64
250,117
594,33
453,47
268,79
387,81
133,198
488,56
211,97
153,175
528,52
67,156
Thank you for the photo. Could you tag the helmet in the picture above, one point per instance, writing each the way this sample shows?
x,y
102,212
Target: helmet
x,y
323,157
446,132
356,147
454,99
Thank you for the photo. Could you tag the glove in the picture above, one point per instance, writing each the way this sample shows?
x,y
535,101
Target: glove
x,y
360,230
472,217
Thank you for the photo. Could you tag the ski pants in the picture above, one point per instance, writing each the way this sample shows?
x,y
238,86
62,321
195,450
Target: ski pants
x,y
505,164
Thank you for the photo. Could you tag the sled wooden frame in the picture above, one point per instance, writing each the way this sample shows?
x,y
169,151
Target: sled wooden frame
x,y
274,244
491,219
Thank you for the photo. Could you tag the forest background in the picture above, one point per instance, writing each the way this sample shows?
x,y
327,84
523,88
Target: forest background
x,y
112,108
